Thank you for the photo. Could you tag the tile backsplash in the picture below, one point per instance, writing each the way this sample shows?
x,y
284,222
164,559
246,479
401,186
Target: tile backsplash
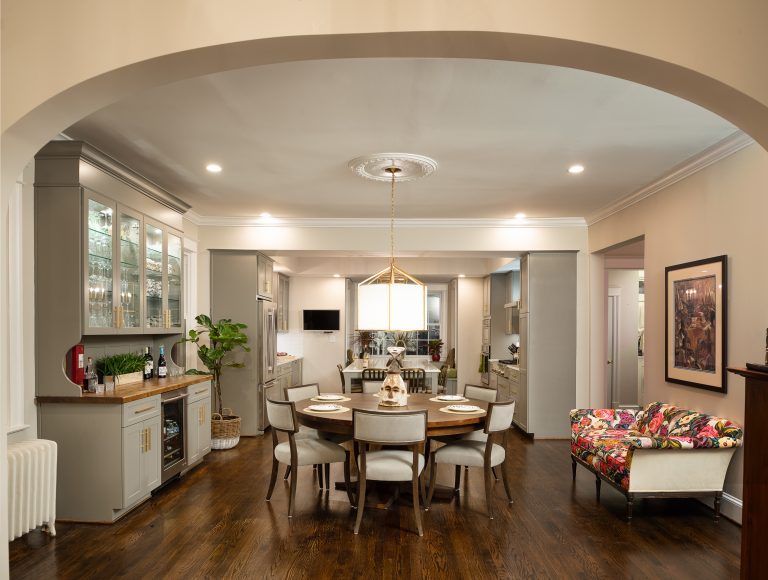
x,y
291,342
98,347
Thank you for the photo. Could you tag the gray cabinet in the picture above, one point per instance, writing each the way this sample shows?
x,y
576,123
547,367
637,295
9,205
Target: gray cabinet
x,y
198,422
264,272
283,302
289,374
141,460
487,297
163,258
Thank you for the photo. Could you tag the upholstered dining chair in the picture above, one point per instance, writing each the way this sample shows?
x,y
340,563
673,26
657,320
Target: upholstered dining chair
x,y
372,379
415,379
387,429
301,393
298,452
486,454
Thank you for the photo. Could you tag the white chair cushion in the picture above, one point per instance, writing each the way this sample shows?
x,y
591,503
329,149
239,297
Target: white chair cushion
x,y
390,465
469,453
478,435
310,451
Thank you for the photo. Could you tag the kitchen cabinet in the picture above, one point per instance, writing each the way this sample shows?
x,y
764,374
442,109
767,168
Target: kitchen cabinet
x,y
141,460
264,273
487,297
283,302
289,374
198,423
96,274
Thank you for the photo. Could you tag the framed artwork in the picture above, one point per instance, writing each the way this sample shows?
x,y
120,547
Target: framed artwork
x,y
696,318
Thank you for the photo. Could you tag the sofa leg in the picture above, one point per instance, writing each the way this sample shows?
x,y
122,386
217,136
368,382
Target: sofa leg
x,y
630,502
573,467
718,495
597,488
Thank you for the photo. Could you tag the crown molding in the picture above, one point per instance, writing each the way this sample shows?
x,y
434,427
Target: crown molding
x,y
381,223
726,147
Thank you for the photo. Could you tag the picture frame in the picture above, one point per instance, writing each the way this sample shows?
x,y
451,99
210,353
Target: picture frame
x,y
696,317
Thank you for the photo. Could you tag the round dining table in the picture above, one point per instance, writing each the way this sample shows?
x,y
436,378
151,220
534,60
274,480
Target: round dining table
x,y
438,422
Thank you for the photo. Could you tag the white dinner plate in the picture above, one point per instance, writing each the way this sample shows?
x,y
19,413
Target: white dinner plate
x,y
324,408
450,398
463,408
329,397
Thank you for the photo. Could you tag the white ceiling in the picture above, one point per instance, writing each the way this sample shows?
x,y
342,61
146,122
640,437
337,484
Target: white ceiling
x,y
503,134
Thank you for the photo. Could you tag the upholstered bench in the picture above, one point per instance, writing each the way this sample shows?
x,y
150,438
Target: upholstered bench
x,y
661,451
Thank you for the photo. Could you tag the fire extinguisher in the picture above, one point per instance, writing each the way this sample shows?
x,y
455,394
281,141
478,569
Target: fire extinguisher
x,y
77,364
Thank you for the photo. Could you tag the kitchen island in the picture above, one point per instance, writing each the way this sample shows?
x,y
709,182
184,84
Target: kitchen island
x,y
431,370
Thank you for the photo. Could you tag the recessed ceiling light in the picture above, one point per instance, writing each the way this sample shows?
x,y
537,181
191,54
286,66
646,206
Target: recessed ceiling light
x,y
520,216
265,214
575,169
337,275
462,276
213,168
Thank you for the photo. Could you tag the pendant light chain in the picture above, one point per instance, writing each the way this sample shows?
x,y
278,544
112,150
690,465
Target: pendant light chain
x,y
392,224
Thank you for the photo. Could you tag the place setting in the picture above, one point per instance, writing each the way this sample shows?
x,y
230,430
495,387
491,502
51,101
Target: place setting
x,y
449,399
330,398
326,408
463,409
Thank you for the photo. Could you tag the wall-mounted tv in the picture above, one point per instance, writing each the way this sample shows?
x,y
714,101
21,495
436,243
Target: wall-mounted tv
x,y
321,320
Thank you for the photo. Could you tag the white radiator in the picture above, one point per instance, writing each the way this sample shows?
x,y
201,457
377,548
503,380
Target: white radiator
x,y
31,487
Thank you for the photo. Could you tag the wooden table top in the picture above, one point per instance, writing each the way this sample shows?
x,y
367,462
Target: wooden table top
x,y
438,422
130,392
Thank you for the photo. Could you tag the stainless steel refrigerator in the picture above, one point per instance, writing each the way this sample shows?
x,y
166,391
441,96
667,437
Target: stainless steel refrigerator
x,y
233,296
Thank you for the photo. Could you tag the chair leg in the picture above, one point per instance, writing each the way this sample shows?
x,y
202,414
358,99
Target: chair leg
x,y
287,471
507,484
597,487
320,476
495,475
360,501
457,480
488,487
272,478
416,511
294,482
423,487
433,479
573,467
347,482
327,476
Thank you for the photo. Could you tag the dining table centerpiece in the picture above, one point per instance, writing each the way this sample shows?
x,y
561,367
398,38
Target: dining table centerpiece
x,y
393,392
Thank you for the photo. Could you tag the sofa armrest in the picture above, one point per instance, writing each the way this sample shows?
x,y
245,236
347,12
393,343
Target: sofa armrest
x,y
603,419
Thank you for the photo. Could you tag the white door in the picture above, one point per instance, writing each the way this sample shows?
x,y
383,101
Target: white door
x,y
612,348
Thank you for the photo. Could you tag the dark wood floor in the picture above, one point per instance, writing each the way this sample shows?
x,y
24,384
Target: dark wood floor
x,y
215,523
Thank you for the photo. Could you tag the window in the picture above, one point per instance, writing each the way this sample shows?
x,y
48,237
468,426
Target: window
x,y
417,342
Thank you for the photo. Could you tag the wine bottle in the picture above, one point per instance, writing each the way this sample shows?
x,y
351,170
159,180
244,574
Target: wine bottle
x,y
90,376
162,369
149,364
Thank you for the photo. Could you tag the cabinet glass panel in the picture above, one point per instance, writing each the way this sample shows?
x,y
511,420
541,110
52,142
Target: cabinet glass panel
x,y
130,272
99,265
153,275
174,280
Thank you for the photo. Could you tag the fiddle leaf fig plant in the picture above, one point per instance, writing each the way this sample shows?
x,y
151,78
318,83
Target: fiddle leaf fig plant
x,y
223,339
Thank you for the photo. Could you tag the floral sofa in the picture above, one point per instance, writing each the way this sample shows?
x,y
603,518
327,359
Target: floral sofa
x,y
661,451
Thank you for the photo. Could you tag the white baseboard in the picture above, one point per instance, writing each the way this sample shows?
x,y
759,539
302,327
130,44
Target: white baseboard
x,y
730,506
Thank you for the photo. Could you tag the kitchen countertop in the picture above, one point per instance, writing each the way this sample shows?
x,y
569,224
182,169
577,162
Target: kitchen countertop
x,y
130,392
281,360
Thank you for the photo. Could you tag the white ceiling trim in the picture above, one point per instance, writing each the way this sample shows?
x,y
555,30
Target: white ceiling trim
x,y
382,223
733,143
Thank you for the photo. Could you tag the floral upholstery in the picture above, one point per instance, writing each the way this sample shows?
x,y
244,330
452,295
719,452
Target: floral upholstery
x,y
606,438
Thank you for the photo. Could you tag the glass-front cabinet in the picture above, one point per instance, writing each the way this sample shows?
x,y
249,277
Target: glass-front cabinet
x,y
128,309
173,271
133,279
100,248
153,276
163,278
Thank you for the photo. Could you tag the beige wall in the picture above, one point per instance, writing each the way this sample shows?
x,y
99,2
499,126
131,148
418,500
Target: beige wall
x,y
720,210
469,331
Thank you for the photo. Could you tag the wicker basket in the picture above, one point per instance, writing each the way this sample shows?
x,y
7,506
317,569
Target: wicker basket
x,y
225,430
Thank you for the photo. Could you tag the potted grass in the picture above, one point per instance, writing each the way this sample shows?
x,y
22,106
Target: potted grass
x,y
121,369
220,340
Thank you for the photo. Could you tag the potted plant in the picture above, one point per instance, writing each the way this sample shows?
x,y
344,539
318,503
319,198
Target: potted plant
x,y
363,340
404,339
224,338
435,348
121,368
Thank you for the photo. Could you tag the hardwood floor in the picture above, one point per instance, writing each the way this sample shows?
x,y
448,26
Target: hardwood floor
x,y
215,523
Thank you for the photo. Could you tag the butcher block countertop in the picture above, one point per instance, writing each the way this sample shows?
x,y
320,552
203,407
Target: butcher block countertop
x,y
130,392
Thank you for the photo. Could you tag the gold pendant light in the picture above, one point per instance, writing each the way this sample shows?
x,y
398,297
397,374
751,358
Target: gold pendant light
x,y
392,299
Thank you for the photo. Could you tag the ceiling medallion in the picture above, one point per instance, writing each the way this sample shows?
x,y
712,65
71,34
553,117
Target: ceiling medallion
x,y
375,166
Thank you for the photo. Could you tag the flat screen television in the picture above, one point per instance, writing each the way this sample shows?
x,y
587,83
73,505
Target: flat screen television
x,y
321,320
